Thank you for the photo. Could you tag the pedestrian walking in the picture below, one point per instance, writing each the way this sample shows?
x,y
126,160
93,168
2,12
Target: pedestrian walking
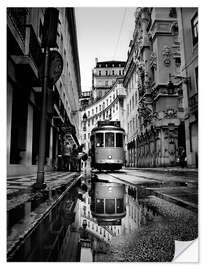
x,y
67,156
182,156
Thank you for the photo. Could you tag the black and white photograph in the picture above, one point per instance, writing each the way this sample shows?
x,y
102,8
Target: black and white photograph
x,y
101,133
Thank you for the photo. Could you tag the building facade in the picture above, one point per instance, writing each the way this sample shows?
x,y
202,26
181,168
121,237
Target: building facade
x,y
110,106
154,102
188,33
104,76
24,91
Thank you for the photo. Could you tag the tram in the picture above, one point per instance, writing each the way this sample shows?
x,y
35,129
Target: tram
x,y
108,202
107,146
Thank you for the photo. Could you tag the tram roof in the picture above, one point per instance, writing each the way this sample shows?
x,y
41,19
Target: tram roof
x,y
107,127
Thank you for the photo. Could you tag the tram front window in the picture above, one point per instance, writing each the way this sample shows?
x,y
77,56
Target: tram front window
x,y
119,205
99,139
110,206
100,206
119,140
109,139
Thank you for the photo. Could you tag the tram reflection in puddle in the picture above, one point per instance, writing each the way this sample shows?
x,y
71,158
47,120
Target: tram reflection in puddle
x,y
108,204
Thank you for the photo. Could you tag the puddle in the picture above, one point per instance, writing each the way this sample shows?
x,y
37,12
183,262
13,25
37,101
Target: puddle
x,y
113,221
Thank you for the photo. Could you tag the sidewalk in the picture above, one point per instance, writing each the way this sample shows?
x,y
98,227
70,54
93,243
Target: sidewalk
x,y
26,207
19,189
166,169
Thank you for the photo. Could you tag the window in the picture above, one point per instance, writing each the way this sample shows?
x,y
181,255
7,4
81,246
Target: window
x,y
107,102
99,139
133,103
194,23
119,205
106,73
96,109
88,113
106,83
84,136
92,111
92,121
100,73
100,206
119,72
88,135
119,140
112,72
109,139
100,108
88,122
110,206
196,78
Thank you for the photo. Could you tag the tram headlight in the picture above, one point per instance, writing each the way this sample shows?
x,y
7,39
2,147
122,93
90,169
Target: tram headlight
x,y
110,157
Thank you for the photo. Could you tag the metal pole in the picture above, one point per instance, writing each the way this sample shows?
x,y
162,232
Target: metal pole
x,y
42,140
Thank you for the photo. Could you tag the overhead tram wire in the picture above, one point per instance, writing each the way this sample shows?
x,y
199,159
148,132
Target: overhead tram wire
x,y
118,40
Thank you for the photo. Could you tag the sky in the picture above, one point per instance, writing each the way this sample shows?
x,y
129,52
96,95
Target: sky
x,y
102,32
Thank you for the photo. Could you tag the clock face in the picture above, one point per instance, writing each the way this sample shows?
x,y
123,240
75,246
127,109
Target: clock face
x,y
55,67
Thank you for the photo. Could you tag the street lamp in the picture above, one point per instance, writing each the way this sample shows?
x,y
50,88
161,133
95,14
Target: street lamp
x,y
84,118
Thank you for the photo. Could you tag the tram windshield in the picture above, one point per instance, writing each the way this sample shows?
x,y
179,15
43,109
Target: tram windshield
x,y
119,140
110,206
109,139
99,139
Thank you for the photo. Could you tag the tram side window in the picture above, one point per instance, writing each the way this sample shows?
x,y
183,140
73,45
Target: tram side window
x,y
100,206
109,139
119,205
99,140
119,140
110,206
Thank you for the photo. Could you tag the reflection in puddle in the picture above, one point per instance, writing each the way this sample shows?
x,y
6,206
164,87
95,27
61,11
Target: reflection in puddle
x,y
108,221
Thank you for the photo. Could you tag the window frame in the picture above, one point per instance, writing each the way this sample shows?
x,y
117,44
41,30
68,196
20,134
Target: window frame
x,y
194,27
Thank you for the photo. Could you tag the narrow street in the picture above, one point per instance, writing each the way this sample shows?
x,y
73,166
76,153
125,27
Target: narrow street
x,y
102,133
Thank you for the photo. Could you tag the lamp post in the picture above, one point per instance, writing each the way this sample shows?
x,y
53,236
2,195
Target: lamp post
x,y
48,41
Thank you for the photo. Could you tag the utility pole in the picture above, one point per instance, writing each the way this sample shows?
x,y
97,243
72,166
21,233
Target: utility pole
x,y
48,41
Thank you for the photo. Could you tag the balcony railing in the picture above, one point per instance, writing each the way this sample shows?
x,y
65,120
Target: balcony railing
x,y
193,103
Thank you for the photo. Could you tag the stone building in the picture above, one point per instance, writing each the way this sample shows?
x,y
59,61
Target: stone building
x,y
104,76
188,33
24,91
154,102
